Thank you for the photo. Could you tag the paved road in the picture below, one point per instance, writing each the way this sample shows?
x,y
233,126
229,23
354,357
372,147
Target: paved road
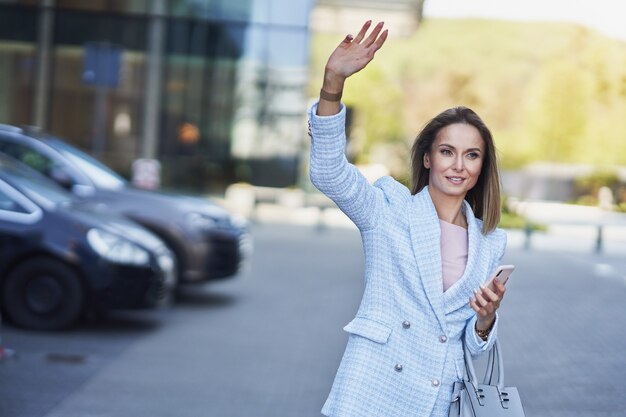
x,y
268,342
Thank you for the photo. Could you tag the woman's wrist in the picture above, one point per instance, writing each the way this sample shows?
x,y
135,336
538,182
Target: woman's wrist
x,y
330,94
484,324
333,82
483,327
325,95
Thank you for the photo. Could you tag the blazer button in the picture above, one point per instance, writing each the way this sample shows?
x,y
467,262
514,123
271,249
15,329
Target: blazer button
x,y
398,367
435,382
443,338
406,324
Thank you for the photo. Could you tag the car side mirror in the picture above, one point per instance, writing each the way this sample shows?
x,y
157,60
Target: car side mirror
x,y
61,177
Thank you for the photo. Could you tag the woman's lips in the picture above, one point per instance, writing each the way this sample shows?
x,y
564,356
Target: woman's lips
x,y
456,180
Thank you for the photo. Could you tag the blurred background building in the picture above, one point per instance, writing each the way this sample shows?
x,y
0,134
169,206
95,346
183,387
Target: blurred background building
x,y
214,89
345,16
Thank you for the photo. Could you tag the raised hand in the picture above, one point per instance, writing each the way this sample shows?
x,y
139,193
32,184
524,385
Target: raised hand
x,y
351,56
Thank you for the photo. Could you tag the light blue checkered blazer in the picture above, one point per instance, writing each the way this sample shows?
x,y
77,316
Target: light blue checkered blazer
x,y
404,350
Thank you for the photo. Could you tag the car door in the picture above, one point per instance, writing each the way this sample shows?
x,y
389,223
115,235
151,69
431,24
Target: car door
x,y
18,217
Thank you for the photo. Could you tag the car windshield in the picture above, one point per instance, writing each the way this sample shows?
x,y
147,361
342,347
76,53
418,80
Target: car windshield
x,y
101,175
37,187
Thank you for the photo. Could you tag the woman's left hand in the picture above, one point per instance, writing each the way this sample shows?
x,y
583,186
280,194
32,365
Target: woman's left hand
x,y
485,302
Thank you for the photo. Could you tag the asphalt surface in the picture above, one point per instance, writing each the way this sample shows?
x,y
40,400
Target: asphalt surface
x,y
268,342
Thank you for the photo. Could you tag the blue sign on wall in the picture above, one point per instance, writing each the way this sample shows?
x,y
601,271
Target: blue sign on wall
x,y
102,64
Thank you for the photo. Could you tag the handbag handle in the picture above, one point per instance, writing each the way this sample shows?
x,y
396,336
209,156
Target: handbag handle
x,y
490,370
495,360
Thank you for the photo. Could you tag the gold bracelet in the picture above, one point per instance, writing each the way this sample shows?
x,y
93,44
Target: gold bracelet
x,y
483,334
325,95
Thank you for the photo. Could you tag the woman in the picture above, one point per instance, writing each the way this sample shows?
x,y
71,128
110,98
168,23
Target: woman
x,y
427,253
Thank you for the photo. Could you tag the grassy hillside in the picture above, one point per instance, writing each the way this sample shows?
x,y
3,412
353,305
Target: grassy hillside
x,y
549,91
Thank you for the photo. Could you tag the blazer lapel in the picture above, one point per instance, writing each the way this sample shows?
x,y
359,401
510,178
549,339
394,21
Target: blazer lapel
x,y
425,238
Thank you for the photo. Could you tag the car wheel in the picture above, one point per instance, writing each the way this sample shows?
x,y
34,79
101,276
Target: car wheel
x,y
43,294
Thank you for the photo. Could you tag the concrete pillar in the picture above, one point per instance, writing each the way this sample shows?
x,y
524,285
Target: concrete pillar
x,y
44,60
152,99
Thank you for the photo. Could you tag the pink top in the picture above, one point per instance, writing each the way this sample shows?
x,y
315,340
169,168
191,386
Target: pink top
x,y
453,252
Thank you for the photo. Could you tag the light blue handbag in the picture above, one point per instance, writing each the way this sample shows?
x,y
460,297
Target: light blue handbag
x,y
472,399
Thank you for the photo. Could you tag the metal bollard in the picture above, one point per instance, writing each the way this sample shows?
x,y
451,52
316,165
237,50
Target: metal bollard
x,y
528,232
599,240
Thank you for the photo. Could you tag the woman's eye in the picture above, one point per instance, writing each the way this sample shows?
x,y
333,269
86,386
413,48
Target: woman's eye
x,y
446,152
473,155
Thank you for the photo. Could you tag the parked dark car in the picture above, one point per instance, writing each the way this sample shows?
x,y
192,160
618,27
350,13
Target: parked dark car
x,y
208,242
61,257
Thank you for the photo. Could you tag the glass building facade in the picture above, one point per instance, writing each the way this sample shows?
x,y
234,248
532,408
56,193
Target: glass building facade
x,y
213,89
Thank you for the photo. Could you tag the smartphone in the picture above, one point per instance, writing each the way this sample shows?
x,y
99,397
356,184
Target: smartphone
x,y
503,272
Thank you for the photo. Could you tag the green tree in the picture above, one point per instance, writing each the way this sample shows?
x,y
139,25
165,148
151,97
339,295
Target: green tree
x,y
548,91
558,115
377,103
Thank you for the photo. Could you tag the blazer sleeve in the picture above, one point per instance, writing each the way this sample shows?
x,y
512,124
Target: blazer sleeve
x,y
475,344
333,175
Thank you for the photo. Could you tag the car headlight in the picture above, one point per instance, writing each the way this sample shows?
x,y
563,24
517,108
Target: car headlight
x,y
200,221
116,249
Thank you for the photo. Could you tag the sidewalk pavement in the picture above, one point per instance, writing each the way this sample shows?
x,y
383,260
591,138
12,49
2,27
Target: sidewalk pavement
x,y
268,343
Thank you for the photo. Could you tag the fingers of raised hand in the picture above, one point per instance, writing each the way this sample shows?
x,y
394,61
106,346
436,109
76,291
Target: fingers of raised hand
x,y
352,55
374,40
347,39
381,40
363,31
372,36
